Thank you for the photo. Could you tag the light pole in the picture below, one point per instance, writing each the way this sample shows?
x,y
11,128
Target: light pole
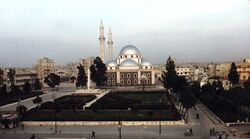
x,y
160,127
18,109
54,97
120,126
120,130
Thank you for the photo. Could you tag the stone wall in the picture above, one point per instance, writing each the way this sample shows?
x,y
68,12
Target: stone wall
x,y
100,123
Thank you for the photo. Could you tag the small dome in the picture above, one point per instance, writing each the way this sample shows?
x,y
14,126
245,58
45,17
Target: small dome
x,y
145,63
129,50
111,63
129,63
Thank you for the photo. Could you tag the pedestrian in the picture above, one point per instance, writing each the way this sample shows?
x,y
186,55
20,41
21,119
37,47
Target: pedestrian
x,y
93,134
226,136
220,136
191,131
33,136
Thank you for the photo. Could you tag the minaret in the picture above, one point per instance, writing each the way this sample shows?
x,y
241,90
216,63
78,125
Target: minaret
x,y
102,42
110,45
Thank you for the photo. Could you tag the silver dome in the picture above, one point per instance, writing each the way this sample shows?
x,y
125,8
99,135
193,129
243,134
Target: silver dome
x,y
129,63
111,63
145,63
129,50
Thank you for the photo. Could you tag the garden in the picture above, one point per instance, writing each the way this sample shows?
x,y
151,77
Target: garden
x,y
126,106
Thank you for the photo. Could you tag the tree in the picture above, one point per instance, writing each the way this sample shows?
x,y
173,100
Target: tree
x,y
233,75
52,80
98,72
1,77
21,110
3,90
27,87
247,85
37,84
11,76
170,77
195,88
81,78
38,100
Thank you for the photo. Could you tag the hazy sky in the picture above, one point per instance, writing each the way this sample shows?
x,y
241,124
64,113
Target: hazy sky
x,y
66,30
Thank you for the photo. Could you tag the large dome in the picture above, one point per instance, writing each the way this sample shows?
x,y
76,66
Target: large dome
x,y
129,63
129,50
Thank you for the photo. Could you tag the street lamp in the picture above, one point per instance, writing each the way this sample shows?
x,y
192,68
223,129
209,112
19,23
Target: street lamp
x,y
54,97
120,126
120,130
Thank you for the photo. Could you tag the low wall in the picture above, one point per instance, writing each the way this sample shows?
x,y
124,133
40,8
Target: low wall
x,y
238,124
101,123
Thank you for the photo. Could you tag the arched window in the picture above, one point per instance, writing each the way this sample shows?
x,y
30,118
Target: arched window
x,y
128,82
109,82
122,82
128,75
113,82
135,82
135,75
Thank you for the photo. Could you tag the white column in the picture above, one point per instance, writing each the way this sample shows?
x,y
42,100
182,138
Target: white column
x,y
139,76
88,85
118,77
102,43
153,76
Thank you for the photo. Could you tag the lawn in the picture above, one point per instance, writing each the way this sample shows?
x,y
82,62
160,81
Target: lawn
x,y
7,99
68,102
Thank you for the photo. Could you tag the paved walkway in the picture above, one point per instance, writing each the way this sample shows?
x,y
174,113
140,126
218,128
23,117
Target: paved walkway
x,y
47,96
97,98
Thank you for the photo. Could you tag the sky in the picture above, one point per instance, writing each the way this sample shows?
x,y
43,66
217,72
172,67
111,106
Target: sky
x,y
67,30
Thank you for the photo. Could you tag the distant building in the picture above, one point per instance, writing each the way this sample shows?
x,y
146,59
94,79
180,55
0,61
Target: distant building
x,y
183,71
22,75
25,75
219,70
243,70
86,63
44,67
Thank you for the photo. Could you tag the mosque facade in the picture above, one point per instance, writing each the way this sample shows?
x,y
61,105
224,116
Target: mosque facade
x,y
129,68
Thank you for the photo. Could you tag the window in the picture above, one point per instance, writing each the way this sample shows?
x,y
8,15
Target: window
x,y
244,77
135,75
128,75
113,82
122,82
135,82
109,82
113,75
125,56
148,74
132,56
148,81
122,75
128,82
108,76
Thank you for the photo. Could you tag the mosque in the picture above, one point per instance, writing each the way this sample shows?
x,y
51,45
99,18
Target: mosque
x,y
129,68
